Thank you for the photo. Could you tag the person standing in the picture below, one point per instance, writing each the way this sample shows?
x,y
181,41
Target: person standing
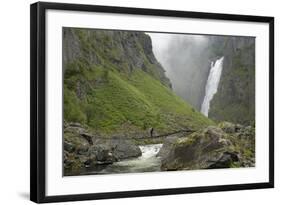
x,y
151,132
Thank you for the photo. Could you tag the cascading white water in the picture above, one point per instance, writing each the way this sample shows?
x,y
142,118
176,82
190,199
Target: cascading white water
x,y
147,162
212,85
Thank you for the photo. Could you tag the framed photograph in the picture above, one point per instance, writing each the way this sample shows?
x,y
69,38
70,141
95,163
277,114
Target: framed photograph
x,y
129,102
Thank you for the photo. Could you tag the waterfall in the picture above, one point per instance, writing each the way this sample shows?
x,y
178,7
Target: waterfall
x,y
212,84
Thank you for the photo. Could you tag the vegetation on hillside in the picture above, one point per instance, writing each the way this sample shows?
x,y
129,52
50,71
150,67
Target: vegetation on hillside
x,y
115,93
117,97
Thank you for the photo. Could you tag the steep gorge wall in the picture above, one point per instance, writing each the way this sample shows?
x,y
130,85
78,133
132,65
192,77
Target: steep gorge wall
x,y
235,98
187,60
126,51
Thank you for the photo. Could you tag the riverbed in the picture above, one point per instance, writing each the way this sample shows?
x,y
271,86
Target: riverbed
x,y
147,162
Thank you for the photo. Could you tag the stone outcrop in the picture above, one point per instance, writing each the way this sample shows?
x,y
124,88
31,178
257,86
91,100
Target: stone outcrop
x,y
84,150
126,50
225,146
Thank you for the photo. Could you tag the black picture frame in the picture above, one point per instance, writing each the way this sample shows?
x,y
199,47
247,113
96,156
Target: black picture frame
x,y
38,101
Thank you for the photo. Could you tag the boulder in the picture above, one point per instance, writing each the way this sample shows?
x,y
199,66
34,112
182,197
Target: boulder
x,y
83,150
167,147
124,149
227,145
102,154
225,161
230,127
208,148
69,147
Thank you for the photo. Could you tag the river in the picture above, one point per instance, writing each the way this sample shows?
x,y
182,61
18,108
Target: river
x,y
147,162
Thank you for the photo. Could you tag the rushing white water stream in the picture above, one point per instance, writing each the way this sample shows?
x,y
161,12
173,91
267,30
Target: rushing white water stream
x,y
147,162
212,85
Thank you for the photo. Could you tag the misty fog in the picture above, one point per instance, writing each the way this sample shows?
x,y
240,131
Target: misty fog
x,y
185,59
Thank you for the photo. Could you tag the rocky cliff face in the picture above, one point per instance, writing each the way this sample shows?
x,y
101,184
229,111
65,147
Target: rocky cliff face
x,y
235,98
188,58
126,50
114,84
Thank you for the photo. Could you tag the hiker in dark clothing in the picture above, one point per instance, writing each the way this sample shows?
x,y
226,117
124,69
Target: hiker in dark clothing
x,y
151,132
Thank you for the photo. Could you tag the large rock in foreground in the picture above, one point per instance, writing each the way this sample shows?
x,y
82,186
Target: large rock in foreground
x,y
211,148
84,150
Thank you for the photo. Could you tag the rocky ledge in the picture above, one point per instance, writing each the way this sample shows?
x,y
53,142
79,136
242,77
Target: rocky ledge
x,y
84,150
224,146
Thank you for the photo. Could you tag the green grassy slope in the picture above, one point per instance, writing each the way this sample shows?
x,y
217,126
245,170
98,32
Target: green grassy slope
x,y
120,97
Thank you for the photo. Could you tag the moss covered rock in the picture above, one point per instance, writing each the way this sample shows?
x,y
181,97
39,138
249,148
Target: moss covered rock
x,y
84,150
210,148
